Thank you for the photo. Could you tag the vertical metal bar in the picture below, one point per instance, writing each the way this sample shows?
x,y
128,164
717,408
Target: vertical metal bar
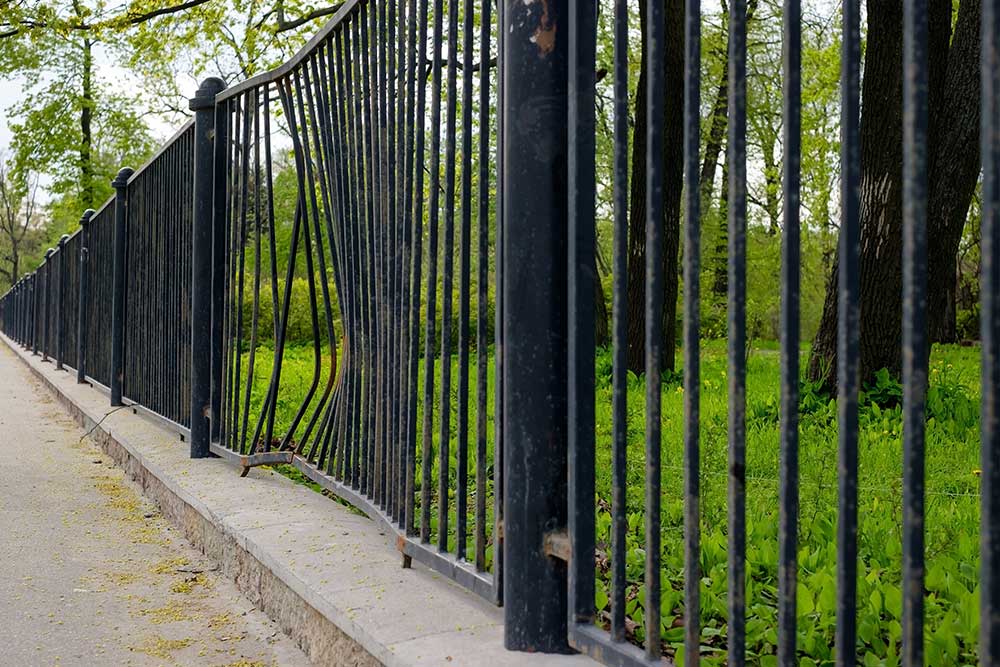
x,y
402,262
118,285
534,286
656,109
369,168
847,335
499,429
581,279
431,298
83,297
989,605
447,274
788,482
218,262
914,322
736,156
36,301
48,350
692,324
415,209
203,234
61,288
482,283
465,256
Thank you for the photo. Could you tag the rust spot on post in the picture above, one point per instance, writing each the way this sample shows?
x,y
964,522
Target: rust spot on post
x,y
557,545
545,35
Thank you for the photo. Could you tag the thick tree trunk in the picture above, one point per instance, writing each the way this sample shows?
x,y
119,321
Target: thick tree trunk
x,y
881,206
943,324
881,180
954,170
673,152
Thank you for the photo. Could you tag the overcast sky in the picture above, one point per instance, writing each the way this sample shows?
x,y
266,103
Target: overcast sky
x,y
10,92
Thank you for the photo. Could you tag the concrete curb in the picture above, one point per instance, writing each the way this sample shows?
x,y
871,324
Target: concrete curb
x,y
390,616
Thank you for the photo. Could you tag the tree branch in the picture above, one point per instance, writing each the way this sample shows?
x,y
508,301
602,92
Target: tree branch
x,y
135,19
284,25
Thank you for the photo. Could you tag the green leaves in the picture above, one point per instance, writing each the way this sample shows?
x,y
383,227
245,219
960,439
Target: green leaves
x,y
952,506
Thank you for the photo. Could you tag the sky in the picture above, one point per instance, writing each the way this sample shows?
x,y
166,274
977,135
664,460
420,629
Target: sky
x,y
10,92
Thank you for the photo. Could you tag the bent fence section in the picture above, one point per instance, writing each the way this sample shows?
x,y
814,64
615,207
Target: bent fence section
x,y
377,264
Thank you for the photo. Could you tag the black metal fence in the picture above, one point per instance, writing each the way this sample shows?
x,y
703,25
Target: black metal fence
x,y
332,328
112,301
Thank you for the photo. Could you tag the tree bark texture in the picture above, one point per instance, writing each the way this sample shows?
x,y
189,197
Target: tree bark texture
x,y
673,161
953,156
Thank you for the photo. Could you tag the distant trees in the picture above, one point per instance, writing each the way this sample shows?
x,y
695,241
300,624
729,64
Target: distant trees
x,y
19,221
77,128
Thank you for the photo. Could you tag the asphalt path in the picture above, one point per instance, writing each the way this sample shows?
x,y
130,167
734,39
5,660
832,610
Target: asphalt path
x,y
92,573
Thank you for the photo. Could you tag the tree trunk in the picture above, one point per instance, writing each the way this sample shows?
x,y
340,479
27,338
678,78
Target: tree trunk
x,y
602,326
720,265
719,117
943,324
881,180
86,139
716,134
673,162
881,207
772,186
954,170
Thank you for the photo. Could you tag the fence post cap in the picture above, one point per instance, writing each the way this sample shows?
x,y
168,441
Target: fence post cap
x,y
63,239
121,180
49,252
204,98
85,218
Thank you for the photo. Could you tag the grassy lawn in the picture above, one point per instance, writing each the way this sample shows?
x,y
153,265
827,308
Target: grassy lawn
x,y
952,503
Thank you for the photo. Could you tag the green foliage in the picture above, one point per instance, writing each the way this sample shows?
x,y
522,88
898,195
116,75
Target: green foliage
x,y
952,503
952,510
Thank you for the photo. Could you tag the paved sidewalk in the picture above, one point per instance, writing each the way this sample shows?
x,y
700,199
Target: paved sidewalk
x,y
93,574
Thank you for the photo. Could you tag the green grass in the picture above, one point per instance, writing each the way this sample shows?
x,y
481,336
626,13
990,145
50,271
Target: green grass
x,y
952,504
952,517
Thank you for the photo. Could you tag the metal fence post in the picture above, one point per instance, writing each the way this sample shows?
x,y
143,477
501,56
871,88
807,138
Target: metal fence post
x,y
218,262
30,304
36,297
202,294
83,296
48,303
534,221
118,286
9,312
60,297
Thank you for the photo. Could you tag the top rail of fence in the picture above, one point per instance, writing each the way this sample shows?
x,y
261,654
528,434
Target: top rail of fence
x,y
109,203
289,65
166,146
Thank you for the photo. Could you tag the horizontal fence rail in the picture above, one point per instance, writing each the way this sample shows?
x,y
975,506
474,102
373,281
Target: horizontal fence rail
x,y
378,265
